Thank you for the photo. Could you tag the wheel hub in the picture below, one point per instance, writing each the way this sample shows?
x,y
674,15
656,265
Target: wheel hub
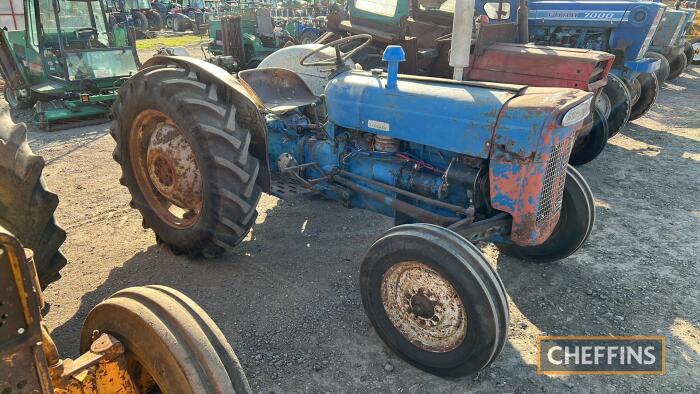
x,y
166,169
602,102
696,51
172,167
424,307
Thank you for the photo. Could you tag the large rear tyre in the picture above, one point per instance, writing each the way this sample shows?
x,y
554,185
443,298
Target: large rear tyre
x,y
171,344
572,230
677,64
664,68
184,158
155,21
695,43
140,21
648,87
589,146
26,206
615,102
434,299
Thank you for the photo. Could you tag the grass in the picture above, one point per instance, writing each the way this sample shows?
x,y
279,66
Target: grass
x,y
175,41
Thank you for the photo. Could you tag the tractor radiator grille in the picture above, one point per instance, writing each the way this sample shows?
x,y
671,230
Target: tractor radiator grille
x,y
554,179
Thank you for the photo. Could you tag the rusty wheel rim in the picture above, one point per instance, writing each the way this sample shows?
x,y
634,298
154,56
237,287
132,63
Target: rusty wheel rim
x,y
166,169
424,307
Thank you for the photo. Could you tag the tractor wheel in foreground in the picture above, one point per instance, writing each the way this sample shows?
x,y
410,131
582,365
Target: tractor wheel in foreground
x,y
184,158
677,64
26,206
588,147
155,21
689,53
140,21
615,102
695,43
648,87
572,230
15,101
171,344
434,299
664,68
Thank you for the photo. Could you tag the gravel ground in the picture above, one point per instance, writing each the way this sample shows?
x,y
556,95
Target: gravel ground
x,y
288,297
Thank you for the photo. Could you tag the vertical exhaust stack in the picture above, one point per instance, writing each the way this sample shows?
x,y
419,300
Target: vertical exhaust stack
x,y
523,33
462,26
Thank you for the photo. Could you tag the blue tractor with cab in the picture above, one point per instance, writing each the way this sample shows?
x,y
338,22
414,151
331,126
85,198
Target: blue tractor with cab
x,y
623,28
453,162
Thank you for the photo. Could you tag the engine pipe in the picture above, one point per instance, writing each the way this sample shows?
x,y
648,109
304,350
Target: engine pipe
x,y
401,206
462,26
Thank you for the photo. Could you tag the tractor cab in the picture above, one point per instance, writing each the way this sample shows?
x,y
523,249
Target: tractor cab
x,y
65,57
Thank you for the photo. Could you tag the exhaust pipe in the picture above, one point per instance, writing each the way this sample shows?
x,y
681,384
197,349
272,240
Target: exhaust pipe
x,y
523,31
462,26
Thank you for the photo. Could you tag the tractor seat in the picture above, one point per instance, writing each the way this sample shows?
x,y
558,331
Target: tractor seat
x,y
277,89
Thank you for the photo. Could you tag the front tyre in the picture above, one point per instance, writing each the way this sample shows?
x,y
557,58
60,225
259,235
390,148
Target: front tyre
x,y
664,68
184,158
648,87
434,299
689,53
171,345
615,102
588,147
572,230
677,64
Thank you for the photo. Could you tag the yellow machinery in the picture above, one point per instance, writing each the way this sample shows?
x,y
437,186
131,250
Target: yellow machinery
x,y
149,339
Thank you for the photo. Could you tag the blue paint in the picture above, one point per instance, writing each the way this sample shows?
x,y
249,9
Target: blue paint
x,y
624,28
435,125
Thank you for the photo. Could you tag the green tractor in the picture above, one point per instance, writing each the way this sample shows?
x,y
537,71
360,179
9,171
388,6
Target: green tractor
x,y
65,63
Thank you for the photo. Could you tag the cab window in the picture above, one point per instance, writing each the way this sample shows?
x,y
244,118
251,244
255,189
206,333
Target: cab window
x,y
379,7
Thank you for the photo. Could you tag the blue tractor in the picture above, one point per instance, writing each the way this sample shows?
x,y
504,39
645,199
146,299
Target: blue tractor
x,y
668,44
623,28
452,162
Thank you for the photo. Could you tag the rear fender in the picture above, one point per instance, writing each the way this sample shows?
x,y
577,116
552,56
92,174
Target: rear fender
x,y
9,66
244,101
527,135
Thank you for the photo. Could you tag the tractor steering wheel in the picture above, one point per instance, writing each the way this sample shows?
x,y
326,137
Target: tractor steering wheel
x,y
80,33
340,58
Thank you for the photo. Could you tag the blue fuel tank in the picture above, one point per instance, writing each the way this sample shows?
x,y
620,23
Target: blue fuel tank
x,y
455,116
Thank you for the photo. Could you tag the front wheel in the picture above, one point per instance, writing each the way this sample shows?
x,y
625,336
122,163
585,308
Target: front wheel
x,y
588,147
140,21
677,64
171,345
185,160
689,53
571,231
664,68
648,87
155,21
434,299
615,102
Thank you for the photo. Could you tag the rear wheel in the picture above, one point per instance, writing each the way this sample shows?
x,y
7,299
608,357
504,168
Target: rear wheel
x,y
648,87
308,37
171,344
15,101
434,299
140,21
26,206
588,147
155,21
168,21
664,68
572,230
677,64
184,158
695,43
615,103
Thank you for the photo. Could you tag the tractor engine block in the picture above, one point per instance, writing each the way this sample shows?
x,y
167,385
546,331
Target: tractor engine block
x,y
571,37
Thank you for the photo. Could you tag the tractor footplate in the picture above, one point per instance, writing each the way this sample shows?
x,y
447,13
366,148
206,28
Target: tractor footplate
x,y
286,187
